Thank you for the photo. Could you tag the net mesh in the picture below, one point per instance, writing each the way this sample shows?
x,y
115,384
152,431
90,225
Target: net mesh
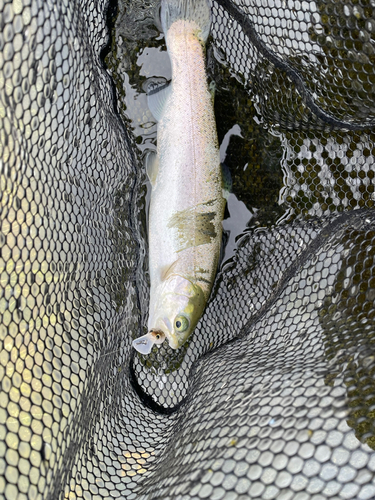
x,y
273,397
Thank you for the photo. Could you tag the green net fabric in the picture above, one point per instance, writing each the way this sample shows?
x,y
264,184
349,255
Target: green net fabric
x,y
273,397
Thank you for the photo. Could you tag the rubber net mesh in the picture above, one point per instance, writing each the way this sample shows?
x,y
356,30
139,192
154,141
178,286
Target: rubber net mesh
x,y
274,395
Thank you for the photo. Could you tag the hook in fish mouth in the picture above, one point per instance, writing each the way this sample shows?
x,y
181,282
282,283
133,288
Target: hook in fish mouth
x,y
145,343
157,335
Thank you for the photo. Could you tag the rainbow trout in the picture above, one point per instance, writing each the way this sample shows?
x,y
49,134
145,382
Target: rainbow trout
x,y
187,204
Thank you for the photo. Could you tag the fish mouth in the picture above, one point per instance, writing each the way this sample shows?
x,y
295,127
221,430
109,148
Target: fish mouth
x,y
158,336
164,328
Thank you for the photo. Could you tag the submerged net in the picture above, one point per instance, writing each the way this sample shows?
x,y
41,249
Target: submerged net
x,y
274,395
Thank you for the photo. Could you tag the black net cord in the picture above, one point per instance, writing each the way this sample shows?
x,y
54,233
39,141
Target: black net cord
x,y
294,76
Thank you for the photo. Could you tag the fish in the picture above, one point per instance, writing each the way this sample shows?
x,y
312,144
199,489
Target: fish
x,y
187,202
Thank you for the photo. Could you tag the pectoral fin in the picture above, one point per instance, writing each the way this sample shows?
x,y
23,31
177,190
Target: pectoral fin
x,y
167,270
157,100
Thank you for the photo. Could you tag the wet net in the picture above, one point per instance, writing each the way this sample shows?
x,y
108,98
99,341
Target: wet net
x,y
273,397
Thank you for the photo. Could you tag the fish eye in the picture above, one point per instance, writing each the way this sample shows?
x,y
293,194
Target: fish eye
x,y
181,323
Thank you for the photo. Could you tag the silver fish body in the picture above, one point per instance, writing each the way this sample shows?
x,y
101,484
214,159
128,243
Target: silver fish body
x,y
187,204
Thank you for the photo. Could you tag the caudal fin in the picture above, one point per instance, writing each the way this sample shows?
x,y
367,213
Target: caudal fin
x,y
189,10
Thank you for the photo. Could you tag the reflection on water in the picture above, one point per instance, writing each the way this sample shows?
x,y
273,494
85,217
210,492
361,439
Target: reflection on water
x,y
153,61
235,224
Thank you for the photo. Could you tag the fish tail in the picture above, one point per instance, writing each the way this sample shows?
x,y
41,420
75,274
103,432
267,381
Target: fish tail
x,y
190,10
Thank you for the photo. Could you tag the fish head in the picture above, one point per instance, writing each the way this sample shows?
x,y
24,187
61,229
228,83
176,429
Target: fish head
x,y
178,309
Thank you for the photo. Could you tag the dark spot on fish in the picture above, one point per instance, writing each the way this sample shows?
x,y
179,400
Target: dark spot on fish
x,y
203,280
202,275
194,227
